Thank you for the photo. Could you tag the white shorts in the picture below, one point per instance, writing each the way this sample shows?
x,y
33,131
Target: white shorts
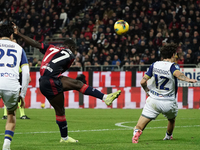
x,y
154,107
10,99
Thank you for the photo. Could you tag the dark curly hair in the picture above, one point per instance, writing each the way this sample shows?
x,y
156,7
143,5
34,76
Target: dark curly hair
x,y
168,50
6,30
70,44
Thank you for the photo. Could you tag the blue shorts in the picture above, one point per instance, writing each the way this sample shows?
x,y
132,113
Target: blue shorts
x,y
50,87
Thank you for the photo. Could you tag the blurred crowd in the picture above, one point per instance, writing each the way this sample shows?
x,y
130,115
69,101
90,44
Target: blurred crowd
x,y
90,23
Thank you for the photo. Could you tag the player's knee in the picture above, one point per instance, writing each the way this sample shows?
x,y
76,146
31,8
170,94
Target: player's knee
x,y
60,111
12,112
171,120
79,84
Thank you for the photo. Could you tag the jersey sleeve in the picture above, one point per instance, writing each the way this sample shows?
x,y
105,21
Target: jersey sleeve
x,y
25,80
174,68
71,59
149,72
24,60
44,48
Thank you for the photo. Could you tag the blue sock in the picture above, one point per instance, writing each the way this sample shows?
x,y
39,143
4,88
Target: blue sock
x,y
88,90
62,124
9,135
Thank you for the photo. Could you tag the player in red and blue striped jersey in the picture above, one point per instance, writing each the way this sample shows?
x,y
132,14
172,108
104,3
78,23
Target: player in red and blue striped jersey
x,y
57,60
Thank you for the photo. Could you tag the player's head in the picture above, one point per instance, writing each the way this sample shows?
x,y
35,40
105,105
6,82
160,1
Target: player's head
x,y
6,31
70,44
168,51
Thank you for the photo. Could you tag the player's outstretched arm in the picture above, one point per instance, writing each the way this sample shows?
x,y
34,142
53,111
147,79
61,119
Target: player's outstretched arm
x,y
28,40
182,77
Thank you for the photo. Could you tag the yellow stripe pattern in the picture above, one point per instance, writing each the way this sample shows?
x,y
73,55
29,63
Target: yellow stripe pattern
x,y
175,71
23,65
7,135
147,76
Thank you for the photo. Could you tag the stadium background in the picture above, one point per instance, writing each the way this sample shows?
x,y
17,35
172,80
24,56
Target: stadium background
x,y
132,96
90,23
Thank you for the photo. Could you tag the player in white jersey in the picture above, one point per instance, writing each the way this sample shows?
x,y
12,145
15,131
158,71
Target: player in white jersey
x,y
162,93
12,56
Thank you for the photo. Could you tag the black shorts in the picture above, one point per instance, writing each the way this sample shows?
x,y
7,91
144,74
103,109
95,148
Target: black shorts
x,y
50,87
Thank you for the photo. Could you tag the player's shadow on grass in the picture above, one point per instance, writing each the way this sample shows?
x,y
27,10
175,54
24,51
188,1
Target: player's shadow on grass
x,y
159,140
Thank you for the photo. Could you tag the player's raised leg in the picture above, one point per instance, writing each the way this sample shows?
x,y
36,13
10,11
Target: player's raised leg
x,y
111,97
58,103
72,84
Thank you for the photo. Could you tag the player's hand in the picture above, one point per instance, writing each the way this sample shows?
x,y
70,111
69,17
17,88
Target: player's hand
x,y
29,79
15,28
192,81
21,99
147,93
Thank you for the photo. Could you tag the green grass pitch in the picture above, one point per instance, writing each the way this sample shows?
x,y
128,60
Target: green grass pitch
x,y
103,129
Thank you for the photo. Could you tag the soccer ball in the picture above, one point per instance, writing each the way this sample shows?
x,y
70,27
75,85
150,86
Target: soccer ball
x,y
42,105
121,27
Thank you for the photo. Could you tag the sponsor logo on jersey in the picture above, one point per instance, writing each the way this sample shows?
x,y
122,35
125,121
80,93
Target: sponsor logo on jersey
x,y
7,45
10,75
177,67
48,68
161,95
160,71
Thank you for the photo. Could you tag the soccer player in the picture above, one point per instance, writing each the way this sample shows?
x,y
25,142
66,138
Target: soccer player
x,y
21,109
52,84
162,93
12,57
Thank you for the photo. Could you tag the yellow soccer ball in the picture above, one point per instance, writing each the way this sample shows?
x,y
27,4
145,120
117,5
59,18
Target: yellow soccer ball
x,y
121,27
42,105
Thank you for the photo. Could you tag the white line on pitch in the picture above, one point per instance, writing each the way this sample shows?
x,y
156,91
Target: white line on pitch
x,y
120,124
97,130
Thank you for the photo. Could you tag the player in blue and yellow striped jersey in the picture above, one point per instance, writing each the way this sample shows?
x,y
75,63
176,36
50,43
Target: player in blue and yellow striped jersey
x,y
12,57
162,93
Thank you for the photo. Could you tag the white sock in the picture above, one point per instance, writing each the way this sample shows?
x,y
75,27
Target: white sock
x,y
134,132
168,135
65,138
105,96
6,143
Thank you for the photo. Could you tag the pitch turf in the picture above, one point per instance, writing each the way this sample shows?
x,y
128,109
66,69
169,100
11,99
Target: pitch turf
x,y
96,129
